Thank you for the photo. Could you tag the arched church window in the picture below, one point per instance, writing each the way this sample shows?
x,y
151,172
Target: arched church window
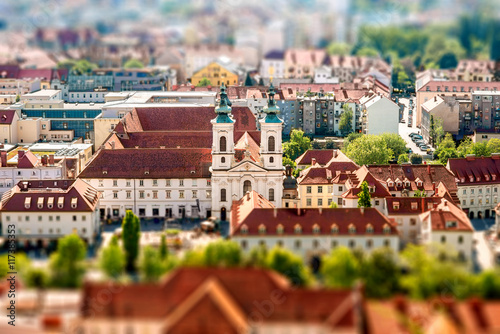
x,y
271,144
247,186
222,144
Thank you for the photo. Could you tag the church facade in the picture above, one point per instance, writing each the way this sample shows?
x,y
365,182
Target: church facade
x,y
238,168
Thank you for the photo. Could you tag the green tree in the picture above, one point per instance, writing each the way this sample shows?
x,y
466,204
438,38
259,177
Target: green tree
x,y
18,98
480,149
83,67
333,205
337,48
488,284
436,131
39,279
223,253
257,257
131,230
67,262
465,147
133,63
395,143
493,145
288,264
420,193
367,52
380,272
297,145
248,80
369,149
340,268
66,64
204,82
446,149
112,261
415,159
345,124
163,247
351,138
403,158
364,197
151,265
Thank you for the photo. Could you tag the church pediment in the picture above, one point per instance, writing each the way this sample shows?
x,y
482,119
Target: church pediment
x,y
247,166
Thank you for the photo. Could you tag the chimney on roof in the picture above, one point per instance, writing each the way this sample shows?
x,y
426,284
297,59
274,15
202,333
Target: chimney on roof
x,y
445,203
434,186
298,211
435,98
313,161
362,210
275,212
3,157
470,157
51,160
248,195
45,159
320,209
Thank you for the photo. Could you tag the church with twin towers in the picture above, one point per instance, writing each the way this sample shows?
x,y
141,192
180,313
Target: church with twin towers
x,y
246,165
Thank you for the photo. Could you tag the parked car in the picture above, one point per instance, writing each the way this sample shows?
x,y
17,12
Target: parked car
x,y
423,148
416,138
413,134
403,121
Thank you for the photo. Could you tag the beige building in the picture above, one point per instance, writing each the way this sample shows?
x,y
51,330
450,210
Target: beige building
x,y
8,126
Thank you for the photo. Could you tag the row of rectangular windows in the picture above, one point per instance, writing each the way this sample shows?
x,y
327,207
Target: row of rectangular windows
x,y
155,183
316,243
168,194
40,218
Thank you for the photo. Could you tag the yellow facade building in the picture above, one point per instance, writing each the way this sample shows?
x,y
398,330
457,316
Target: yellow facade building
x,y
217,73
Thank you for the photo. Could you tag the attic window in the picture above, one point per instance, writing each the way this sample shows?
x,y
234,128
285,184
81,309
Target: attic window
x,y
390,184
419,183
105,172
494,177
279,229
352,229
40,202
471,178
372,189
146,172
399,184
262,229
244,229
369,229
395,205
407,183
50,202
334,229
60,202
386,229
74,202
27,202
462,179
297,229
451,224
316,229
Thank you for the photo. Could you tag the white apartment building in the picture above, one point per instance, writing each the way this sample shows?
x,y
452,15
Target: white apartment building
x,y
43,211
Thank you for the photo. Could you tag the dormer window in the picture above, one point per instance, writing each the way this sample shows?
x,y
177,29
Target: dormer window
x,y
334,229
50,202
40,202
451,224
386,229
395,205
262,229
407,183
494,177
244,229
60,202
279,229
390,184
471,178
369,229
419,183
399,183
74,202
27,202
297,229
462,179
316,229
352,229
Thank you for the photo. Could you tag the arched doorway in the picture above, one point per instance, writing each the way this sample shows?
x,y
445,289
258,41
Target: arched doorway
x,y
223,214
480,215
487,214
315,263
471,215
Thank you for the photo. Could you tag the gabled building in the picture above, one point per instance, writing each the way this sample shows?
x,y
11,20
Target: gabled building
x,y
218,300
320,157
218,72
478,183
301,63
42,211
380,115
309,232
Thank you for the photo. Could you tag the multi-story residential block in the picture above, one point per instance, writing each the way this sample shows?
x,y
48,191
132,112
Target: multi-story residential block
x,y
187,297
273,65
453,112
380,115
42,211
448,225
460,89
18,86
309,232
478,183
475,70
218,72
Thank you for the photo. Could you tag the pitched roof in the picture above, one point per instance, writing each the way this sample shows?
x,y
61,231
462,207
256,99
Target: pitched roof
x,y
149,163
65,195
7,116
252,211
448,217
322,157
477,171
354,180
461,86
430,175
302,57
411,205
26,159
189,298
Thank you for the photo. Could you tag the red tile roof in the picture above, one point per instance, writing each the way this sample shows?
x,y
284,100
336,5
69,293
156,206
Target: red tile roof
x,y
252,211
212,300
322,157
466,85
353,181
411,205
42,74
149,163
446,212
430,175
476,171
6,116
39,193
26,159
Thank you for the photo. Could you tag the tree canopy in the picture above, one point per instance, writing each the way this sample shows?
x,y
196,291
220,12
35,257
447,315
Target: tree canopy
x,y
133,63
67,262
369,149
297,145
345,124
204,82
364,197
131,230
